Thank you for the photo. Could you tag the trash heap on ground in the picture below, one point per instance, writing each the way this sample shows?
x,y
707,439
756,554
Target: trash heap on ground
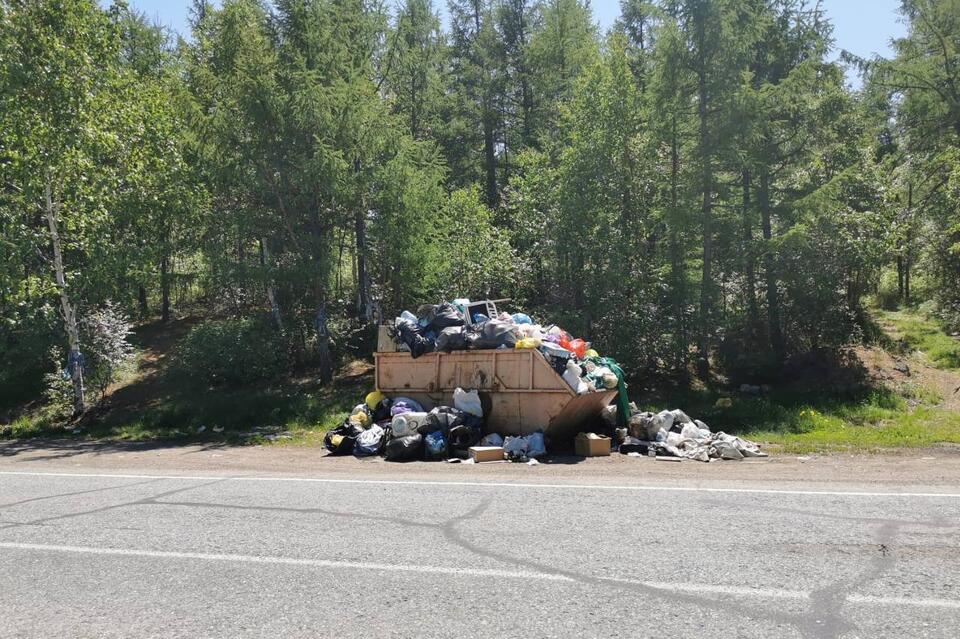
x,y
401,430
673,434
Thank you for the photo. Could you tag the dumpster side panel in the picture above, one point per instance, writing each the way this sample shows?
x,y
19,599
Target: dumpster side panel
x,y
521,393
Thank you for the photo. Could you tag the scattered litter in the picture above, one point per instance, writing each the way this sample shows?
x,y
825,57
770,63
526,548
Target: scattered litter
x,y
532,462
218,429
670,459
200,429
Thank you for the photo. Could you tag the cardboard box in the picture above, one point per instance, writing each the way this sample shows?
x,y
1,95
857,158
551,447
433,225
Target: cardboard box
x,y
486,453
592,445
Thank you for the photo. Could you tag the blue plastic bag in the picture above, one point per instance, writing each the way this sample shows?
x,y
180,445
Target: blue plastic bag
x,y
435,445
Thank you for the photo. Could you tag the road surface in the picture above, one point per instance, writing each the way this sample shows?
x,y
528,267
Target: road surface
x,y
87,551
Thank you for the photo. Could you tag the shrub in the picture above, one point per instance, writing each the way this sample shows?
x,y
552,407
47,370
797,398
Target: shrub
x,y
105,350
235,351
103,336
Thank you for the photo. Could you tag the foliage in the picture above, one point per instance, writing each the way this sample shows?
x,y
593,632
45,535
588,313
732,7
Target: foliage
x,y
698,186
232,352
105,333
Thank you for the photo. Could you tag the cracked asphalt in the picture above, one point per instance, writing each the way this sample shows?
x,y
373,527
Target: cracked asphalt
x,y
94,552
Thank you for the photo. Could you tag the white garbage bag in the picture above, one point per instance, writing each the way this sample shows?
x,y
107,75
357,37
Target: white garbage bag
x,y
668,418
468,401
515,446
536,446
572,377
493,439
407,423
690,431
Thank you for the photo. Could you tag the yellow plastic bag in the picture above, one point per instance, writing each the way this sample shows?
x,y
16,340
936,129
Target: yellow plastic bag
x,y
360,419
591,353
373,398
528,342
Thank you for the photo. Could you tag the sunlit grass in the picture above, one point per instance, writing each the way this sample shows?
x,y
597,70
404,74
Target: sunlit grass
x,y
872,420
926,336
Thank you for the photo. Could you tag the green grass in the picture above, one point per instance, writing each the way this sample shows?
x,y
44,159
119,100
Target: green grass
x,y
867,421
925,335
243,415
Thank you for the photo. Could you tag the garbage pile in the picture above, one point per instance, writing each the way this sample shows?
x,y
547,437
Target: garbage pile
x,y
672,433
464,325
401,430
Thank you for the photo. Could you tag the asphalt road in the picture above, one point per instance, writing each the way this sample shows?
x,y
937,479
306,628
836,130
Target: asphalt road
x,y
110,554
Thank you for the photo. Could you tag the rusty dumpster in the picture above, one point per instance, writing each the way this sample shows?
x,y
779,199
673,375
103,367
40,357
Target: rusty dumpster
x,y
519,390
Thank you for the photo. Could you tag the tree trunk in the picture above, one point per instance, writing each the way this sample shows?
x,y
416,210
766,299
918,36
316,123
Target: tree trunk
x,y
323,339
752,312
908,262
490,158
900,275
165,288
706,282
142,301
773,294
265,262
677,272
75,358
363,280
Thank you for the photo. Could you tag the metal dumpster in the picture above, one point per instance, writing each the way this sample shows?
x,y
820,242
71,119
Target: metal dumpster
x,y
519,390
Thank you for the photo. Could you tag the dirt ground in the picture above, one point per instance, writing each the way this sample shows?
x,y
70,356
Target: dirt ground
x,y
935,469
903,372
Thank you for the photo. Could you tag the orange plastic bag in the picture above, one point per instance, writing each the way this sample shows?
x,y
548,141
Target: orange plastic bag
x,y
578,347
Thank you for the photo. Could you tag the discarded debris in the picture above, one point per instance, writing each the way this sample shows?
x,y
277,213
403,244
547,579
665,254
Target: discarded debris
x,y
675,434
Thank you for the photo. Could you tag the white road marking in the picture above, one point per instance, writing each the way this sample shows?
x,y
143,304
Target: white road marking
x,y
288,561
691,588
489,484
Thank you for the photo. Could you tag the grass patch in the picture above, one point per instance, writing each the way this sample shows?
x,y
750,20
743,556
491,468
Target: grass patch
x,y
801,423
186,413
925,335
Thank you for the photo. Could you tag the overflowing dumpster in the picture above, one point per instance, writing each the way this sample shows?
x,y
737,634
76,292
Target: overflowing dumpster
x,y
521,392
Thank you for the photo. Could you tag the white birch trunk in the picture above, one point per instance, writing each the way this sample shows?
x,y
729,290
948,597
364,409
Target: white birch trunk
x,y
69,315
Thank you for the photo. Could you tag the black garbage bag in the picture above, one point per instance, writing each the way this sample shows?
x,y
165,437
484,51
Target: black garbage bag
x,y
442,418
443,316
453,338
342,439
641,447
404,449
407,332
381,411
462,437
492,334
